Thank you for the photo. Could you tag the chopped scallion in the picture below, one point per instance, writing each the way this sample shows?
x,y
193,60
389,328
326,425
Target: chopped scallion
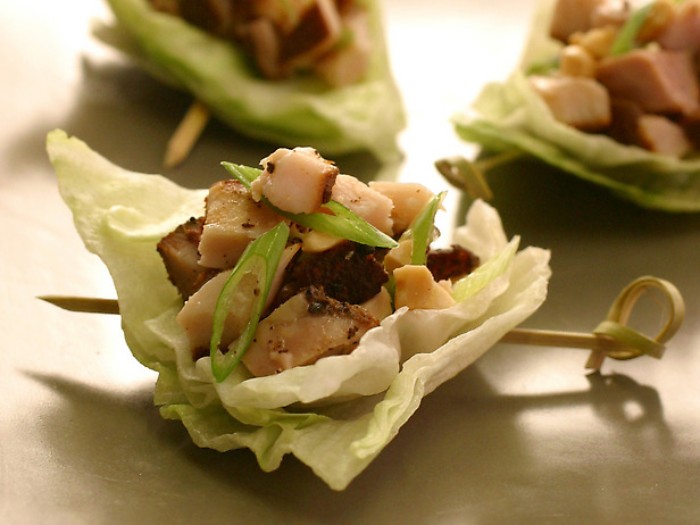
x,y
626,38
261,258
422,229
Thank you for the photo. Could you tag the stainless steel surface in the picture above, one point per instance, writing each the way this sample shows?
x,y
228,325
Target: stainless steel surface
x,y
523,436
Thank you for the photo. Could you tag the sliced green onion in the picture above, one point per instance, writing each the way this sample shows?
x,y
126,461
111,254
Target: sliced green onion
x,y
422,229
343,223
626,38
243,174
473,283
261,258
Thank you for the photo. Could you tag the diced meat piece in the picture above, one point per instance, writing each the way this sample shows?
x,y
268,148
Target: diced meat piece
x,y
284,15
653,132
197,315
416,289
570,16
349,272
214,16
624,127
610,13
179,252
379,306
265,44
661,135
683,32
659,81
369,204
576,61
450,263
233,219
283,341
317,31
349,62
287,257
296,181
408,200
579,102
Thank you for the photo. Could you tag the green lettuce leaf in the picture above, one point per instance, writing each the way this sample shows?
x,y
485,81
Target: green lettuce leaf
x,y
511,116
366,116
344,409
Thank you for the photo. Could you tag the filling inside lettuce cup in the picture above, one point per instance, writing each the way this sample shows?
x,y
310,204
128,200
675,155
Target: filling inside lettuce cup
x,y
336,414
584,103
362,113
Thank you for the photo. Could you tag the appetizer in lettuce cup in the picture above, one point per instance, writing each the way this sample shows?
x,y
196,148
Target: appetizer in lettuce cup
x,y
352,267
285,72
607,91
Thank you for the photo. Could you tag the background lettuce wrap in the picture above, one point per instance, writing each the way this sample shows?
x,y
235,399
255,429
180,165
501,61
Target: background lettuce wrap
x,y
365,116
511,116
335,415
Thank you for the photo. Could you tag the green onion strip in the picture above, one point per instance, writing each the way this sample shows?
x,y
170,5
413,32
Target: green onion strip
x,y
422,229
261,258
627,36
342,222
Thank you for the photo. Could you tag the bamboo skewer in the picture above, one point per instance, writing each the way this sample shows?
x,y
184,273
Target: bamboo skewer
x,y
186,134
610,339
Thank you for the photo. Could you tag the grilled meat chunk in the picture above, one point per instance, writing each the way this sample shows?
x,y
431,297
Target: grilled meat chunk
x,y
283,340
297,180
669,84
179,252
233,219
577,101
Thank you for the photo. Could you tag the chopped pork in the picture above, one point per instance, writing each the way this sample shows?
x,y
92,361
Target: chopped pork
x,y
305,328
661,135
669,85
571,16
233,219
179,252
286,37
296,181
577,101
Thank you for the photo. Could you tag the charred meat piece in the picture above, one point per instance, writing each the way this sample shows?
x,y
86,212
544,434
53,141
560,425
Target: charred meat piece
x,y
179,252
283,341
572,16
233,219
577,101
661,135
408,199
297,180
669,85
683,32
349,272
449,263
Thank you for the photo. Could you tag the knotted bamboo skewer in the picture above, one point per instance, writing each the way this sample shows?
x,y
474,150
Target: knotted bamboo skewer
x,y
611,338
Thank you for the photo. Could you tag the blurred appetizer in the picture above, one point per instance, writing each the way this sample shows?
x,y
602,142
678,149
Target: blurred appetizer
x,y
281,71
607,90
285,308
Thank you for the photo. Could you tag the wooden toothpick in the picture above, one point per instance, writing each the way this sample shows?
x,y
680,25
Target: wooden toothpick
x,y
612,338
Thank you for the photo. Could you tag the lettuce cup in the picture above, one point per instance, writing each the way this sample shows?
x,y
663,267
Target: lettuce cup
x,y
324,352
